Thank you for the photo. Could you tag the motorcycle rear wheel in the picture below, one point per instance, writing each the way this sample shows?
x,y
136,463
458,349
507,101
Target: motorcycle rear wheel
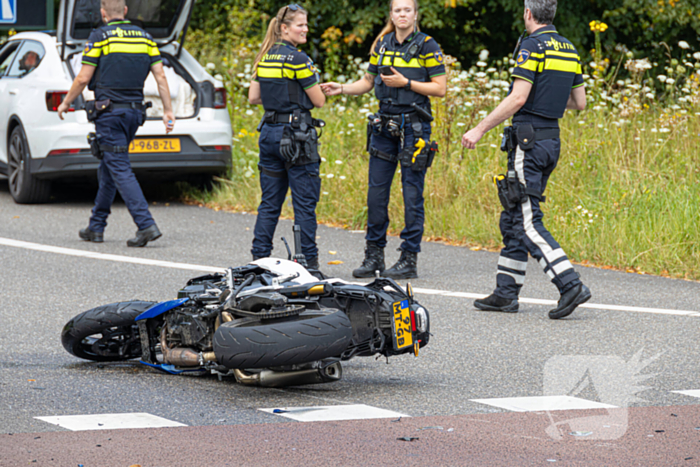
x,y
107,333
312,336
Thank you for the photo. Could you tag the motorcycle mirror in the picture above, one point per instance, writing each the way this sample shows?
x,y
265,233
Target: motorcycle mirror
x,y
289,252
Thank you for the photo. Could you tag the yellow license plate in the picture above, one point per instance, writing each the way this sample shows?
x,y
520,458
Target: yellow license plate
x,y
403,337
141,145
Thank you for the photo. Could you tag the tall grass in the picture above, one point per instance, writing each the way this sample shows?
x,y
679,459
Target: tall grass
x,y
625,193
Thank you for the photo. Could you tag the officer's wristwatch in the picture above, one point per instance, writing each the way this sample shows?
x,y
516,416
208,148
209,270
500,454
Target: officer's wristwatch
x,y
408,86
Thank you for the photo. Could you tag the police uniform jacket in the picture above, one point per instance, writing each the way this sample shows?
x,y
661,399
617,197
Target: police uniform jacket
x,y
551,63
123,54
418,58
284,74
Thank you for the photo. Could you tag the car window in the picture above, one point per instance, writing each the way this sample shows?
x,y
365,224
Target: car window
x,y
7,54
29,56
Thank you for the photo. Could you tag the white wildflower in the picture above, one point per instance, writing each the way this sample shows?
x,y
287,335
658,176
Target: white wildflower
x,y
481,64
210,66
683,45
484,55
249,112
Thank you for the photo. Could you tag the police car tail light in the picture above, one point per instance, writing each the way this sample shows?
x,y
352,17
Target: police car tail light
x,y
220,98
54,99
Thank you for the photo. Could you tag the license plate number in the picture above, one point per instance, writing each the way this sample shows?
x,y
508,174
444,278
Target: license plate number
x,y
142,145
403,337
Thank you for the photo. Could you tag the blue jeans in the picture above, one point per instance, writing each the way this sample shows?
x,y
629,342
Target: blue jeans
x,y
118,128
381,174
522,228
275,180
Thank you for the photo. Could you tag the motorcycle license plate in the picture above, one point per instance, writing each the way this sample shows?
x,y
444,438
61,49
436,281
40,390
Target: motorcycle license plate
x,y
145,145
403,337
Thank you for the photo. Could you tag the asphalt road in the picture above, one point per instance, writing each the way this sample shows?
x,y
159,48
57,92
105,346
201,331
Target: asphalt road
x,y
632,347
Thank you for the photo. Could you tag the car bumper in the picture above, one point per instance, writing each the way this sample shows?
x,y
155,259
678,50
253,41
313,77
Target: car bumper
x,y
152,165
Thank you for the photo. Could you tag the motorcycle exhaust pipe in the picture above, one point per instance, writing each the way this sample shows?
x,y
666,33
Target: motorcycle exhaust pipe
x,y
277,379
180,356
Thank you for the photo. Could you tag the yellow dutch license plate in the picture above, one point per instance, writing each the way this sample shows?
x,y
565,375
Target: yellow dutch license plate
x,y
403,337
141,145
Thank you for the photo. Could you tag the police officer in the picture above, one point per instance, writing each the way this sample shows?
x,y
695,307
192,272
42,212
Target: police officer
x,y
406,69
286,84
116,61
547,81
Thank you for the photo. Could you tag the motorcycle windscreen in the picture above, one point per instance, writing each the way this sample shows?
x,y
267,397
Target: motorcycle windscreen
x,y
163,19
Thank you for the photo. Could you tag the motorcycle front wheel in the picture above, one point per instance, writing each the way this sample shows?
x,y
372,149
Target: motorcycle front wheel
x,y
107,333
312,336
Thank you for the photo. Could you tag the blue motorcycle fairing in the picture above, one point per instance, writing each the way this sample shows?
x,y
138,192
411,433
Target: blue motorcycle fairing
x,y
160,308
169,368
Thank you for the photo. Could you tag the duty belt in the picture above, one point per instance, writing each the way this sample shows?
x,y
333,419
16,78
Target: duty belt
x,y
131,105
290,118
525,136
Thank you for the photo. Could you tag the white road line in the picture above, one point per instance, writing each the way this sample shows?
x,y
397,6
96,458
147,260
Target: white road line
x,y
110,421
196,267
542,403
106,257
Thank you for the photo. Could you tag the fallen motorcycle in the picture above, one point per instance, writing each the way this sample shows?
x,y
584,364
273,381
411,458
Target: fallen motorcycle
x,y
269,323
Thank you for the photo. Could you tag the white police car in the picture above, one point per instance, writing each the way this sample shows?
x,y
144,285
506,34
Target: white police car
x,y
36,72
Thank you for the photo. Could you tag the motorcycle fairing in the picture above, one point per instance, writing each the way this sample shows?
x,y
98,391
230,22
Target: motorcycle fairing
x,y
160,308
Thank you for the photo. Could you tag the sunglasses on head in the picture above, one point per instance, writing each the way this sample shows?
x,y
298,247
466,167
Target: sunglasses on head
x,y
293,7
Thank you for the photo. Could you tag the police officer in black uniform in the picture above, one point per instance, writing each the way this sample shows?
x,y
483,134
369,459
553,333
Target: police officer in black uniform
x,y
547,81
286,84
406,68
117,59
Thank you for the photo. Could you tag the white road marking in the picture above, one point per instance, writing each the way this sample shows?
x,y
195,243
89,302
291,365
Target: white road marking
x,y
106,257
543,403
690,392
195,267
327,413
110,421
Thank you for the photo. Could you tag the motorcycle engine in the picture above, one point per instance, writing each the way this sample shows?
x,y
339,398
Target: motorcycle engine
x,y
185,329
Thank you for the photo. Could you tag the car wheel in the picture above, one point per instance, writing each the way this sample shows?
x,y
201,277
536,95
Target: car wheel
x,y
24,187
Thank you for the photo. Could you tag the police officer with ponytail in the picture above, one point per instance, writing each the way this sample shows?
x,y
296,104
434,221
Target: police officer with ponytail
x,y
406,69
286,83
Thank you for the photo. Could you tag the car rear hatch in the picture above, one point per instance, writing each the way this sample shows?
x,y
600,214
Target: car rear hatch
x,y
165,20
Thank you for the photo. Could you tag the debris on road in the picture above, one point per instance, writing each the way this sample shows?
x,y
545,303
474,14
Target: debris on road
x,y
407,438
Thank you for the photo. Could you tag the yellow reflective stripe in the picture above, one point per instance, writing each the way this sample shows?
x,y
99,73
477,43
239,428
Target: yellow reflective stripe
x,y
264,72
296,67
579,70
126,49
561,65
374,59
531,65
305,73
400,63
93,53
563,54
431,63
535,55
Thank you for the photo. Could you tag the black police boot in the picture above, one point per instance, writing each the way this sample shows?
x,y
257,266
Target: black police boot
x,y
374,261
144,236
255,258
495,303
405,268
569,300
312,262
90,236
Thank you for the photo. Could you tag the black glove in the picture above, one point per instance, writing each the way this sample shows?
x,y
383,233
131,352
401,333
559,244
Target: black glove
x,y
288,147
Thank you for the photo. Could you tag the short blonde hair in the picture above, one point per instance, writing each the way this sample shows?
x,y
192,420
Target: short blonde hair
x,y
113,7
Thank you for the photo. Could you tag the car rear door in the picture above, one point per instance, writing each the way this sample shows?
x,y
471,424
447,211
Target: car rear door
x,y
8,55
165,20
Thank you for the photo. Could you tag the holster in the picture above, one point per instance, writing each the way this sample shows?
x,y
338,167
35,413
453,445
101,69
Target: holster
x,y
95,146
419,157
96,108
299,147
